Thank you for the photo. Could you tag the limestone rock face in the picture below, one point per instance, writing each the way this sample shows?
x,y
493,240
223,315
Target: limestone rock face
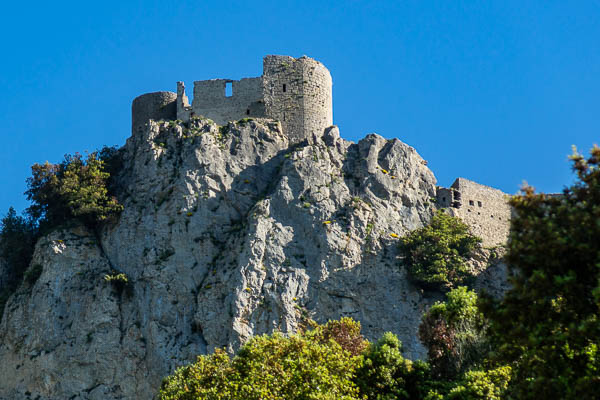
x,y
227,232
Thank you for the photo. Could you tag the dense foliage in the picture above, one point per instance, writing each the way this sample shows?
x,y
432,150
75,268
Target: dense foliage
x,y
386,375
317,364
454,333
548,326
345,332
302,366
437,255
481,384
309,366
17,240
76,188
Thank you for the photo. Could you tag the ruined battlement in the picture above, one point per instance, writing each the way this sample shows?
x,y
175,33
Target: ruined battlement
x,y
294,91
483,208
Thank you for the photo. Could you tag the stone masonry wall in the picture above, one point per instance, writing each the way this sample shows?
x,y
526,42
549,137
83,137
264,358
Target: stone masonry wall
x,y
211,101
156,106
296,92
483,208
284,93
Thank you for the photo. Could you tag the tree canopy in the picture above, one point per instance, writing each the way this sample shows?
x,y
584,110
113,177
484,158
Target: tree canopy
x,y
547,327
437,255
76,188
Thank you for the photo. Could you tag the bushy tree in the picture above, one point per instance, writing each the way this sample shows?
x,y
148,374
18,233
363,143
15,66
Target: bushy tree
x,y
482,385
345,332
75,188
269,367
548,325
437,255
17,241
454,333
387,375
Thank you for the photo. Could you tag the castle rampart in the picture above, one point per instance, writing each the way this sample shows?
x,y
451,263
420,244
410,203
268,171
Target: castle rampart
x,y
483,208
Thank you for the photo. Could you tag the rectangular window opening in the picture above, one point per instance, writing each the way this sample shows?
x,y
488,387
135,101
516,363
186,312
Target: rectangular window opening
x,y
284,87
479,204
471,203
228,89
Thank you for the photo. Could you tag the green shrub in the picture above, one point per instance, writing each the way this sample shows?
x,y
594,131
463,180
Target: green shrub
x,y
345,332
268,367
437,255
17,241
119,281
76,188
454,333
116,277
386,375
482,385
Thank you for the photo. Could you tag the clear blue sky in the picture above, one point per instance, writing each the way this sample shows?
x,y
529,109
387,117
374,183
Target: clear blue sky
x,y
494,91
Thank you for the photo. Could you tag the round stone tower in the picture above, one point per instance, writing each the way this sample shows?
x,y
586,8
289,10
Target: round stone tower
x,y
156,106
297,92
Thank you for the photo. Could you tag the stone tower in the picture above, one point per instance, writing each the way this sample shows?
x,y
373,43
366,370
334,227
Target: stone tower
x,y
297,92
294,91
156,106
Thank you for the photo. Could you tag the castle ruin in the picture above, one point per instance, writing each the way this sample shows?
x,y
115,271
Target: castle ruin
x,y
297,93
294,91
483,208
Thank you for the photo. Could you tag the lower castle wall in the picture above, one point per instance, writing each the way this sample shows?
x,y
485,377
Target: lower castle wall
x,y
484,209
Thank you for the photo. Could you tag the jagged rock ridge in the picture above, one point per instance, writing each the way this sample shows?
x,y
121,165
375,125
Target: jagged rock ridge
x,y
227,232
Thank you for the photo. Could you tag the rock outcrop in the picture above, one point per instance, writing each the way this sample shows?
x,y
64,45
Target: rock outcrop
x,y
227,232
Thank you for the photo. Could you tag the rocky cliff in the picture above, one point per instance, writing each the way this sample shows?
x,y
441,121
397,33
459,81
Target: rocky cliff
x,y
227,232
